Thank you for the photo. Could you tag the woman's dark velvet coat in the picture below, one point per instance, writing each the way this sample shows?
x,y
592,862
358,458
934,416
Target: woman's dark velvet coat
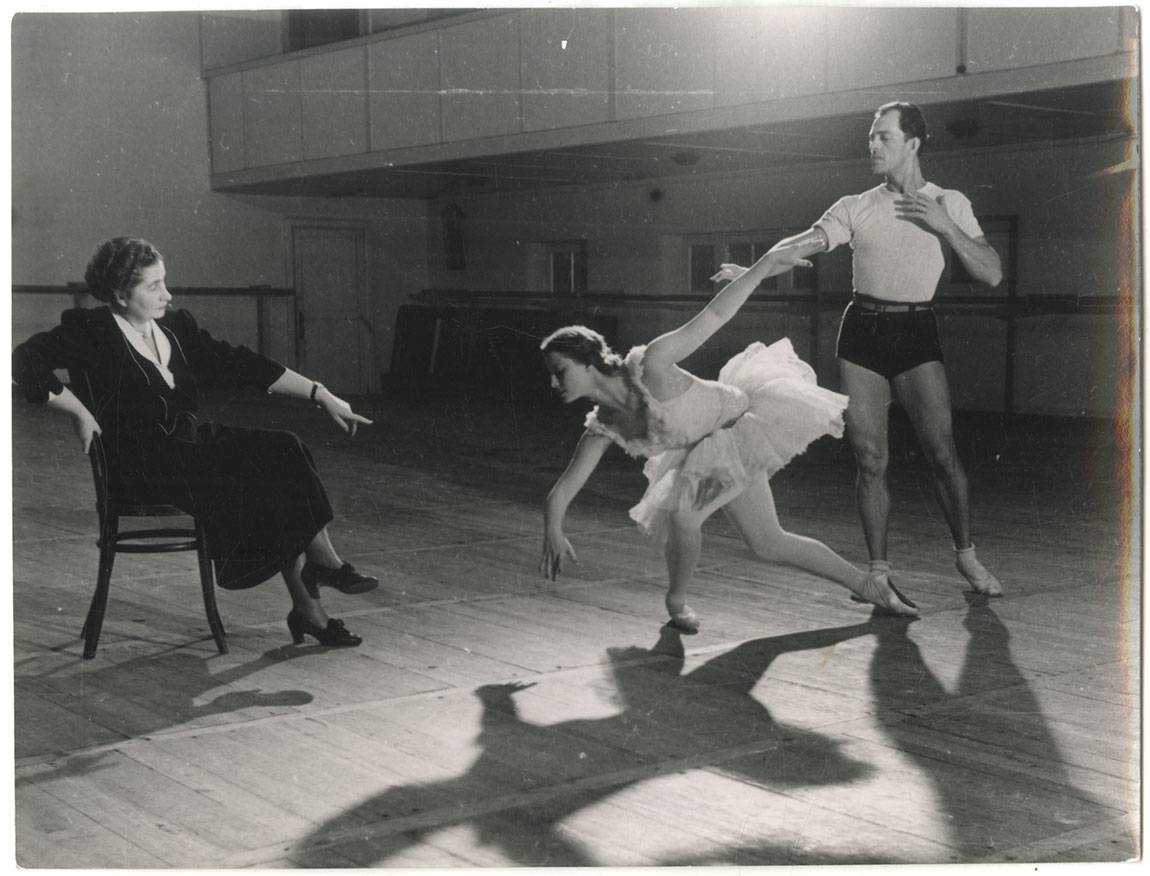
x,y
257,491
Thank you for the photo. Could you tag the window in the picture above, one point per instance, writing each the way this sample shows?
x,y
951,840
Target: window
x,y
707,254
568,266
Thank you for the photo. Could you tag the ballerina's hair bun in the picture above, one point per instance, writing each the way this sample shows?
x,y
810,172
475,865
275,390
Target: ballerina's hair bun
x,y
585,346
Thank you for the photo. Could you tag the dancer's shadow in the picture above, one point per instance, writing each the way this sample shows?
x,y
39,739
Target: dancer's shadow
x,y
918,714
145,695
667,721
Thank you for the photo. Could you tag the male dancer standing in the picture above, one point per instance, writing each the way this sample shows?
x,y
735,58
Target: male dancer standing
x,y
888,340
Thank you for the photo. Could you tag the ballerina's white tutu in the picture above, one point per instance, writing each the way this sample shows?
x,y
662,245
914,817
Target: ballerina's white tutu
x,y
705,445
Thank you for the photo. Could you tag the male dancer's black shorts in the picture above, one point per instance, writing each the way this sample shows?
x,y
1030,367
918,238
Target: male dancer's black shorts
x,y
888,338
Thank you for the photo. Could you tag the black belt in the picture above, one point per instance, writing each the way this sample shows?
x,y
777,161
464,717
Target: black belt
x,y
877,305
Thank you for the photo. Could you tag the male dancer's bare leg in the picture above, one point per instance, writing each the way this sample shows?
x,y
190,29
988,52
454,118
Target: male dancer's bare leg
x,y
754,514
925,395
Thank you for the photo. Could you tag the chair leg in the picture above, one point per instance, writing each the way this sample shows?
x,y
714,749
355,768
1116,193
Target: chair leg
x,y
95,619
208,586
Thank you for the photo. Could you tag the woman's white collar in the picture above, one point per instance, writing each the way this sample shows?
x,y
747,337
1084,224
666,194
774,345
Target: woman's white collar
x,y
139,343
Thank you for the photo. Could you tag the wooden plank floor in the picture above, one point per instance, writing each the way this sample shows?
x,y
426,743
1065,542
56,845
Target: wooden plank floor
x,y
492,719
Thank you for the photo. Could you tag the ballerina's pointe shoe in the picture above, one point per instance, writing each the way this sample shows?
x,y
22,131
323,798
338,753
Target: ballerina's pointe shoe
x,y
976,574
877,589
683,618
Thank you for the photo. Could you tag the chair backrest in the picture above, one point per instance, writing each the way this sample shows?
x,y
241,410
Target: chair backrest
x,y
98,455
107,501
81,386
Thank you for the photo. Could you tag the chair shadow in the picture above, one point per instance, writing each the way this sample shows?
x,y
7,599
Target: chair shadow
x,y
522,818
161,691
976,824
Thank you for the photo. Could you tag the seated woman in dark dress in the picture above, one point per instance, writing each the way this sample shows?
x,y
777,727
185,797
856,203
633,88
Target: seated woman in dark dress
x,y
257,491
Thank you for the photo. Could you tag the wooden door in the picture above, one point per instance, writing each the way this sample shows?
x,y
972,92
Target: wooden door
x,y
333,342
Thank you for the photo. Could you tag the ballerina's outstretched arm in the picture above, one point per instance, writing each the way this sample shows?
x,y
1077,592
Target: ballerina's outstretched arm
x,y
797,246
676,345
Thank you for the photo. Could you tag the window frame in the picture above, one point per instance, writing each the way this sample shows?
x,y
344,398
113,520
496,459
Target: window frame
x,y
745,247
576,251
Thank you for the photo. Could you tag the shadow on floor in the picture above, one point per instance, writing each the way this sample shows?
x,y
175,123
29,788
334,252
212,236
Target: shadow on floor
x,y
146,695
932,720
647,737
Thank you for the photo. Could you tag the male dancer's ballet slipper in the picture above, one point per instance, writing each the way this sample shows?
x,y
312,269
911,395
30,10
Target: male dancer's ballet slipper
x,y
683,619
976,574
984,585
878,590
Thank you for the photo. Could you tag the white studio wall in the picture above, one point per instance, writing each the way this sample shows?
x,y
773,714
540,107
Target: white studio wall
x,y
109,137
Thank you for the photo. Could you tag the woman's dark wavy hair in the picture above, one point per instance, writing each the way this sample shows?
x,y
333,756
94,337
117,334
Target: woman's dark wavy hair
x,y
585,346
117,266
911,121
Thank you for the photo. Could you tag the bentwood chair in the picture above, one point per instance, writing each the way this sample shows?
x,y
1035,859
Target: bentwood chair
x,y
113,540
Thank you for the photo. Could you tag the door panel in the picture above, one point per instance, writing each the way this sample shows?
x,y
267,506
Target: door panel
x,y
330,282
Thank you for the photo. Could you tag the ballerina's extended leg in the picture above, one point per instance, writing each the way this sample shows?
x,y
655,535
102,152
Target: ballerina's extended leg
x,y
753,513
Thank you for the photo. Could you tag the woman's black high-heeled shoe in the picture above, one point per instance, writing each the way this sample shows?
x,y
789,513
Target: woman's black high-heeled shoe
x,y
334,635
346,579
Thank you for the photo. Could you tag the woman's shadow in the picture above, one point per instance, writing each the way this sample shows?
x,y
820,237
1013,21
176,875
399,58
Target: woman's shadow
x,y
528,778
141,696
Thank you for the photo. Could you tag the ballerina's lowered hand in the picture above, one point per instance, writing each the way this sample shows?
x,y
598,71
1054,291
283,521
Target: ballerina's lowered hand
x,y
556,548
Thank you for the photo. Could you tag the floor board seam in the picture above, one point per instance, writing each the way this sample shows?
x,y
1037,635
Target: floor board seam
x,y
1045,849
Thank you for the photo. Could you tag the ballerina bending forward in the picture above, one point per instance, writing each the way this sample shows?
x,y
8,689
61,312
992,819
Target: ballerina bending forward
x,y
709,444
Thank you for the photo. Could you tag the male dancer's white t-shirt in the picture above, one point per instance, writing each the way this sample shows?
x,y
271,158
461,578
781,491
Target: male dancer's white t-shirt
x,y
894,259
